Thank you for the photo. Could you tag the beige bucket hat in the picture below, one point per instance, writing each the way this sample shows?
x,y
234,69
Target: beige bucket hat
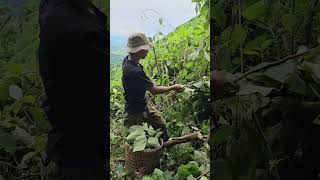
x,y
138,41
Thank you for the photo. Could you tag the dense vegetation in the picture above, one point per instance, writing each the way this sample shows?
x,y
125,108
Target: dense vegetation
x,y
268,128
23,123
180,57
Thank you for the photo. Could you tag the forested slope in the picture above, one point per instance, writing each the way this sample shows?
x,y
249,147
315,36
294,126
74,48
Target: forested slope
x,y
180,57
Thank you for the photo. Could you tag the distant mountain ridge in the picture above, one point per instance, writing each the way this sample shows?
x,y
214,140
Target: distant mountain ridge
x,y
118,46
16,6
118,41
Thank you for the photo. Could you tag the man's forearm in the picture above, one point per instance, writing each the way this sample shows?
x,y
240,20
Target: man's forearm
x,y
160,89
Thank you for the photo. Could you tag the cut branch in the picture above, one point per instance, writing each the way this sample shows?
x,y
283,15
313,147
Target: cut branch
x,y
184,139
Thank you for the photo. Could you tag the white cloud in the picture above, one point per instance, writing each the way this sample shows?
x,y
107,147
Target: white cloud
x,y
126,15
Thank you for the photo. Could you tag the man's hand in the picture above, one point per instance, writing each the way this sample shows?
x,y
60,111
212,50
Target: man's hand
x,y
178,88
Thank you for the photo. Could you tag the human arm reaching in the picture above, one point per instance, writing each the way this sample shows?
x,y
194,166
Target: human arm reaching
x,y
165,89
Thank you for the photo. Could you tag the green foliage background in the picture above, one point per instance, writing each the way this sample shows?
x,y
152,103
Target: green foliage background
x,y
180,57
269,126
23,123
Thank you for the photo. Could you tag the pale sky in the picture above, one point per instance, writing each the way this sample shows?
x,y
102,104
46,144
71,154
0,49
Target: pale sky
x,y
126,15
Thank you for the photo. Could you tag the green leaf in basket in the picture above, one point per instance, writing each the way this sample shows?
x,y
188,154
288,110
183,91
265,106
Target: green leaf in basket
x,y
134,128
140,143
151,131
158,134
153,141
135,134
148,178
145,126
158,172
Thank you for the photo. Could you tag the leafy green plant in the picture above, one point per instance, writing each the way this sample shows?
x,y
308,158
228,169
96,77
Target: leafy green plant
x,y
157,175
23,123
181,57
143,136
267,48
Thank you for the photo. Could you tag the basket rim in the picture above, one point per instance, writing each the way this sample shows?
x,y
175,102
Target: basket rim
x,y
147,150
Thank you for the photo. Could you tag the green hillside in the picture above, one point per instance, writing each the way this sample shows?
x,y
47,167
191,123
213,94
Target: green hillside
x,y
23,123
117,55
180,57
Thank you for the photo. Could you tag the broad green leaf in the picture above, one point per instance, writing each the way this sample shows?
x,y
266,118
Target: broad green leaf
x,y
314,69
15,92
190,65
134,128
139,144
198,84
282,71
148,178
246,89
158,134
157,172
190,177
296,84
23,136
200,157
194,55
38,114
40,143
260,43
168,175
145,126
205,167
29,99
256,10
135,134
153,141
186,170
225,35
238,37
151,131
313,56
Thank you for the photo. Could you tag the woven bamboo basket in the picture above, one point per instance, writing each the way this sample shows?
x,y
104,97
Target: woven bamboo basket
x,y
149,159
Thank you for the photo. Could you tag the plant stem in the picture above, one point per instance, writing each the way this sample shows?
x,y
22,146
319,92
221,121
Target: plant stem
x,y
202,175
269,151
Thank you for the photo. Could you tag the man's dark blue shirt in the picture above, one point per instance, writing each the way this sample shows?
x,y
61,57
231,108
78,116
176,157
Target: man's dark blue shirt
x,y
135,83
